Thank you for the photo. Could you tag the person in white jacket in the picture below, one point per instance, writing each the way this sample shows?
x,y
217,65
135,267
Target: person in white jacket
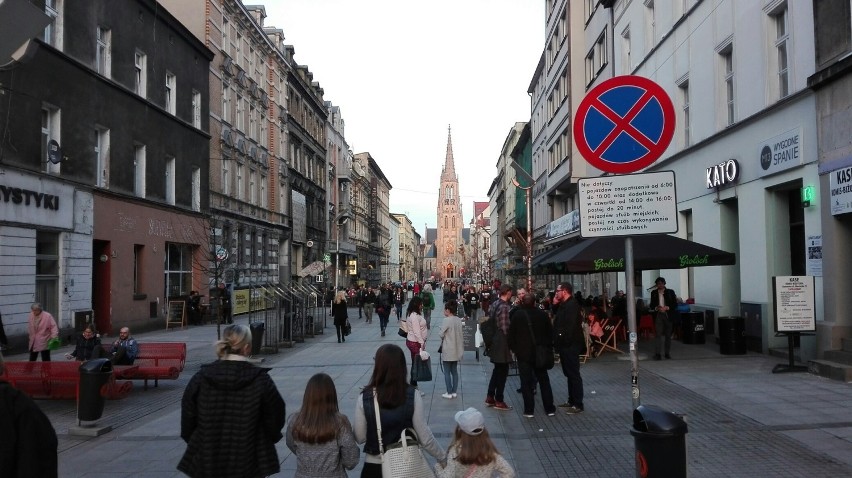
x,y
418,331
452,348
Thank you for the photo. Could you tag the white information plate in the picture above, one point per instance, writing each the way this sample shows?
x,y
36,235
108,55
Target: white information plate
x,y
794,303
628,205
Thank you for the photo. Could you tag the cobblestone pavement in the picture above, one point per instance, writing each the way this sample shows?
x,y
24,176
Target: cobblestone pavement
x,y
743,421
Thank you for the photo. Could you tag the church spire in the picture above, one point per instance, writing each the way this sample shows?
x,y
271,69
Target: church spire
x,y
449,172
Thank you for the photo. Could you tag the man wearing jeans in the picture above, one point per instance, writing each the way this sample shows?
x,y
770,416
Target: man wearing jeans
x,y
569,341
499,351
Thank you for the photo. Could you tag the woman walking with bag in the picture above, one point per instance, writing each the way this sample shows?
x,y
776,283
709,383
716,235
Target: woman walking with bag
x,y
418,331
472,454
399,408
531,339
42,329
319,435
341,316
452,348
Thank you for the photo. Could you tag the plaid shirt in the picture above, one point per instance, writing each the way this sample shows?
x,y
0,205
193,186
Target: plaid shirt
x,y
502,315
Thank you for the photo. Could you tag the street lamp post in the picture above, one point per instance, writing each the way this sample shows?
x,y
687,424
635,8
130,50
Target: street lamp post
x,y
339,221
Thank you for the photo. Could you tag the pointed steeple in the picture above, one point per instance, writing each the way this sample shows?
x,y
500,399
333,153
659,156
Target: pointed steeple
x,y
449,171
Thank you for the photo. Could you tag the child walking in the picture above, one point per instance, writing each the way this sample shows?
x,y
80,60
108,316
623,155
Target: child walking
x,y
472,454
319,435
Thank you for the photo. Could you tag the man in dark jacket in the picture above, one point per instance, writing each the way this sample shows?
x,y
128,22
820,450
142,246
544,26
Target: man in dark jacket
x,y
384,304
569,341
369,305
499,350
663,304
28,443
529,327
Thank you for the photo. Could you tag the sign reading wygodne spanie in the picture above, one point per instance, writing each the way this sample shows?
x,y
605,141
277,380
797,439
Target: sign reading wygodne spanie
x,y
627,205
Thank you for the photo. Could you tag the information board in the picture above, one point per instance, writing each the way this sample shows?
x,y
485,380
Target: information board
x,y
795,299
176,313
629,205
469,335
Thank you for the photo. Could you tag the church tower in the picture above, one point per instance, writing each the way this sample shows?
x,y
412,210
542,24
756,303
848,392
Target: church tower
x,y
450,224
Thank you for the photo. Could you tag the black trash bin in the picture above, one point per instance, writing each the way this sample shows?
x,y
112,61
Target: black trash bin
x,y
692,324
257,329
732,336
660,439
94,374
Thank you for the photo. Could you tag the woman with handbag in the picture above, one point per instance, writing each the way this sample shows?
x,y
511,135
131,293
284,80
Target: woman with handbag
x,y
472,454
418,331
386,408
42,330
531,339
319,435
341,316
452,348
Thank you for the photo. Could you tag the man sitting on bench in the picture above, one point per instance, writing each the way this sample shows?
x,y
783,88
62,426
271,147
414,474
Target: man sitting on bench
x,y
124,349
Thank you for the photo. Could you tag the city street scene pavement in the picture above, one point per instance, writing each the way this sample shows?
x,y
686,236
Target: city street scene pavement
x,y
743,420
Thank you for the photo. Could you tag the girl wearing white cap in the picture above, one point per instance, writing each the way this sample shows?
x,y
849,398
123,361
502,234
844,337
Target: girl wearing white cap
x,y
472,454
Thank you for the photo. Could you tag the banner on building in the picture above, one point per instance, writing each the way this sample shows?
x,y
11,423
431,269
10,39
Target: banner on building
x,y
300,212
814,255
840,190
795,299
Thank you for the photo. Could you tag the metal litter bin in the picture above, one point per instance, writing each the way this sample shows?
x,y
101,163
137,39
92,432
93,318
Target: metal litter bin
x,y
94,374
732,336
660,440
257,329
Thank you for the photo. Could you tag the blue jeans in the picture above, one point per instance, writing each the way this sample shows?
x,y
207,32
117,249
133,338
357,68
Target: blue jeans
x,y
569,358
451,376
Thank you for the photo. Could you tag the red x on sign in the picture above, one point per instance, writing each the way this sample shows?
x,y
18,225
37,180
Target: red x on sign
x,y
624,124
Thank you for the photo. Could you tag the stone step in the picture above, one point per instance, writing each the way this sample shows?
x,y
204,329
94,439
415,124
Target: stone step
x,y
839,356
832,370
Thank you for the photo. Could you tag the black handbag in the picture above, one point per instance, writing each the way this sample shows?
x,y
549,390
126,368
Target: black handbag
x,y
347,329
421,370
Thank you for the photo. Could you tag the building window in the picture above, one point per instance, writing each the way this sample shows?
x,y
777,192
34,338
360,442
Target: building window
x,y
196,109
263,201
103,62
625,51
226,178
196,189
139,170
590,67
47,270
170,180
650,25
53,31
261,137
600,52
101,157
590,8
178,269
252,187
684,99
252,131
171,93
140,61
50,130
226,103
137,268
226,42
782,37
728,62
238,120
239,179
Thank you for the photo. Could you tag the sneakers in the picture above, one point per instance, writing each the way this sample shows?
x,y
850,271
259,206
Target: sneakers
x,y
447,395
566,405
383,332
501,406
529,415
551,414
572,410
489,401
455,395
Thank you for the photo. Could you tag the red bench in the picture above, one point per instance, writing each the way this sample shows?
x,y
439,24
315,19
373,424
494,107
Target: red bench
x,y
57,380
158,361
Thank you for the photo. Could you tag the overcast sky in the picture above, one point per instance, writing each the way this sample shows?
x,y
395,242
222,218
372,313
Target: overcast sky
x,y
402,71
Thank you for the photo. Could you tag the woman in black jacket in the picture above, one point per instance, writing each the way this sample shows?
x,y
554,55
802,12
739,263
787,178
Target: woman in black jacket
x,y
232,414
338,311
